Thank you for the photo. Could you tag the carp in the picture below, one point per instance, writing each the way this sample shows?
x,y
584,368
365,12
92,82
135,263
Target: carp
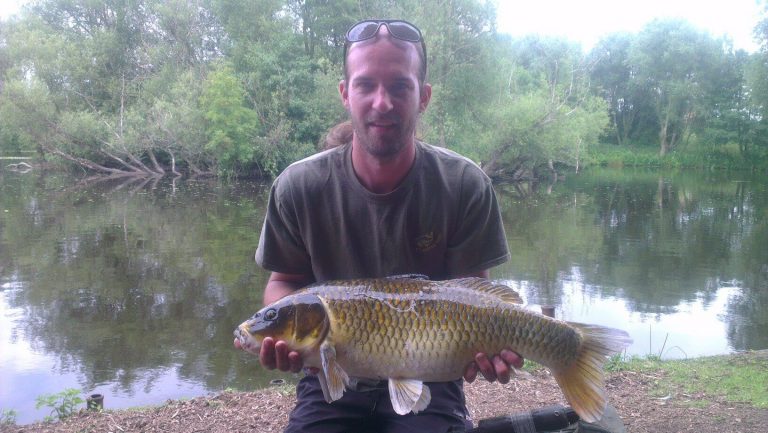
x,y
410,330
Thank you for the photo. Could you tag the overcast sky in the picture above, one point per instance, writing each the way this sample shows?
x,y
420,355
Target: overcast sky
x,y
8,7
585,21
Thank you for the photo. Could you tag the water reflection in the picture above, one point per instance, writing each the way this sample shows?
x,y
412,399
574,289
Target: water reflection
x,y
126,286
132,288
696,327
649,248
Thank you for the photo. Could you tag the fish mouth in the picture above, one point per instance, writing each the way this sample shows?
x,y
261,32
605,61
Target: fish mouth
x,y
246,340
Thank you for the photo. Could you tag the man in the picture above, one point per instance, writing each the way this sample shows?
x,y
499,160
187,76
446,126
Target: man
x,y
384,204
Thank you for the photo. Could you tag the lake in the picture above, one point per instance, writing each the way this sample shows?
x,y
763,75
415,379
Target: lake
x,y
131,288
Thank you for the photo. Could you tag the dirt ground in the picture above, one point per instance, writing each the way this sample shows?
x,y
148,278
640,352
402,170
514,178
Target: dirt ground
x,y
266,411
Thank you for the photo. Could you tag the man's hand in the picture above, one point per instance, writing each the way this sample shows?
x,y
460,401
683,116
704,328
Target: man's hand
x,y
497,368
276,355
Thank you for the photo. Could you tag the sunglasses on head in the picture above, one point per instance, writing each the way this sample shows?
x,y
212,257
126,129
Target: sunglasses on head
x,y
398,29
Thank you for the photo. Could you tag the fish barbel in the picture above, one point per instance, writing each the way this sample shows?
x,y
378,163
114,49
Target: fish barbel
x,y
409,331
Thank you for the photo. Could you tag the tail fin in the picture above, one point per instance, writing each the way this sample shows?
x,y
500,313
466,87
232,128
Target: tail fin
x,y
583,382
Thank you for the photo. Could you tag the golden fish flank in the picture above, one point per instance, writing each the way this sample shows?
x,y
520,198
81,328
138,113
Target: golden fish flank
x,y
411,330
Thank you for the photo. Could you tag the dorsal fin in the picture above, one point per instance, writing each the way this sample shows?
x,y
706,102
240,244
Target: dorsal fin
x,y
504,293
407,277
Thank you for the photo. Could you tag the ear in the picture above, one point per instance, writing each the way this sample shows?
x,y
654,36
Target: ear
x,y
344,92
424,96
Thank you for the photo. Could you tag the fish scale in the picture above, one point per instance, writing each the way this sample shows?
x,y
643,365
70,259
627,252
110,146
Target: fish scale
x,y
411,330
433,322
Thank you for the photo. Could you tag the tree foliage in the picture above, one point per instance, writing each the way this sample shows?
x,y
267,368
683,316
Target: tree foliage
x,y
244,87
674,86
675,65
231,126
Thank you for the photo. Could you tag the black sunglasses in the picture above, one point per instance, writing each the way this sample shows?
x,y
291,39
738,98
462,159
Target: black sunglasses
x,y
399,29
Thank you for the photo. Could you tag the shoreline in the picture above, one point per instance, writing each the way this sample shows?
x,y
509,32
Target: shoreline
x,y
634,389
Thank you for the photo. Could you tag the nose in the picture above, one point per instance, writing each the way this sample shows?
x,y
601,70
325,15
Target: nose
x,y
382,101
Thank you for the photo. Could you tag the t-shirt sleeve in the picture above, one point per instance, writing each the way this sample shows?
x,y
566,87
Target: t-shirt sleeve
x,y
281,248
478,242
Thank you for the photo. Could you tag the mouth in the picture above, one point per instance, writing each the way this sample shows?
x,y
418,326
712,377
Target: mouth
x,y
247,342
381,128
382,123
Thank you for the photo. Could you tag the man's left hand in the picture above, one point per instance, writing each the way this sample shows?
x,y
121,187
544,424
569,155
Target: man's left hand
x,y
496,368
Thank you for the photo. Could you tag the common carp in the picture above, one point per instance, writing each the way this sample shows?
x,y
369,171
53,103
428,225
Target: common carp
x,y
411,330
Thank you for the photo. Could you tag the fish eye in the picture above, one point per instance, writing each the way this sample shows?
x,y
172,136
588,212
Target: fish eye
x,y
270,314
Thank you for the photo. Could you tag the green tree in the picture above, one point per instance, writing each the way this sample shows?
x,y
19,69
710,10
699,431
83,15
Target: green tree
x,y
543,114
629,107
133,86
189,34
291,89
727,114
172,123
9,139
756,76
323,25
675,65
459,34
5,62
231,126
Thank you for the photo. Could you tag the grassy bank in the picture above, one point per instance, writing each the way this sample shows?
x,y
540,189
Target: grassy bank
x,y
741,377
727,157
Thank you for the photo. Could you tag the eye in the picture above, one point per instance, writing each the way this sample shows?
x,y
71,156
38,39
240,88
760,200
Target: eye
x,y
270,314
400,88
364,85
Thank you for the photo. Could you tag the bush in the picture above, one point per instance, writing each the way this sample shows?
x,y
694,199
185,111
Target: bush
x,y
727,156
7,417
63,404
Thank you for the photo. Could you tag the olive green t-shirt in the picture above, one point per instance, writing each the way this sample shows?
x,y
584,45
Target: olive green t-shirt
x,y
442,221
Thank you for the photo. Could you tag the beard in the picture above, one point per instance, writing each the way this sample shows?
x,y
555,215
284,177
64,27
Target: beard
x,y
383,143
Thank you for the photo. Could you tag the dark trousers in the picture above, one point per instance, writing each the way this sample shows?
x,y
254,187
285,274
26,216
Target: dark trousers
x,y
370,410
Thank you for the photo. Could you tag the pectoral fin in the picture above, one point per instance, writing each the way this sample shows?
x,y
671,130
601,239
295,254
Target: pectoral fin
x,y
408,395
333,378
324,386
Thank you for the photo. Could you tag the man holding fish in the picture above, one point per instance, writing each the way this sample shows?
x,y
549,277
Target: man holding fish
x,y
380,204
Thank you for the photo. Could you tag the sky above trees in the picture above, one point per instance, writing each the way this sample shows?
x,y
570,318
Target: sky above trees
x,y
588,20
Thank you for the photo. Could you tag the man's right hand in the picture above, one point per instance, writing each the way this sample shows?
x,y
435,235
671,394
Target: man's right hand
x,y
276,355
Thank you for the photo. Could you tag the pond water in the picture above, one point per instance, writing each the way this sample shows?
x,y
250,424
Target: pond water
x,y
131,289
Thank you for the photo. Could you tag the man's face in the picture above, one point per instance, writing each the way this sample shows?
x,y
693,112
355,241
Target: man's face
x,y
382,94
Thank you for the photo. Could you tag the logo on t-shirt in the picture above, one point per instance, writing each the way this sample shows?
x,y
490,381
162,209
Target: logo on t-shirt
x,y
428,241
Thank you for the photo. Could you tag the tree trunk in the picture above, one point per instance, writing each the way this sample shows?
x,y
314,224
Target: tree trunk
x,y
173,164
663,138
158,169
